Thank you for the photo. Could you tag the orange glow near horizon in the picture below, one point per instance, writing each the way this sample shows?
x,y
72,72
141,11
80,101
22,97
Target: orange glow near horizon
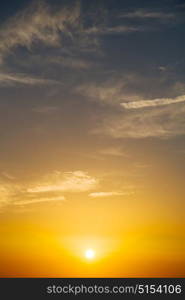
x,y
39,250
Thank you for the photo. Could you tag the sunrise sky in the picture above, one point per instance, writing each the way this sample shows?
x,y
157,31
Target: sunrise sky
x,y
92,138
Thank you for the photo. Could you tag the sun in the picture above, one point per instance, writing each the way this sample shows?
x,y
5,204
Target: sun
x,y
90,254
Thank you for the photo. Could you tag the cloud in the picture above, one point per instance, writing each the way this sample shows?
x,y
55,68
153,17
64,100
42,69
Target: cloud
x,y
127,26
8,176
4,195
73,63
140,118
107,194
109,93
153,102
39,200
163,68
49,24
40,25
130,22
37,23
10,194
13,79
77,181
148,14
120,29
7,191
113,151
161,122
48,189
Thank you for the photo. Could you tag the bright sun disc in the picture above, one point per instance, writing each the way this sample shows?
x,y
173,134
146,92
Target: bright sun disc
x,y
89,254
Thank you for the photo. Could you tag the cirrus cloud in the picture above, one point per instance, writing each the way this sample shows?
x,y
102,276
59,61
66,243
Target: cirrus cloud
x,y
39,200
10,79
162,121
153,102
49,188
108,194
76,181
38,22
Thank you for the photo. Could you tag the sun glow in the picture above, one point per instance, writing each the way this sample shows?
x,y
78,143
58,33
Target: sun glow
x,y
90,254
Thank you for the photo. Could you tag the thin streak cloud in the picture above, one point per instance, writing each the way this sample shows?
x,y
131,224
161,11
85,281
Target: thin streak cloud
x,y
77,181
108,194
147,14
39,200
10,79
153,103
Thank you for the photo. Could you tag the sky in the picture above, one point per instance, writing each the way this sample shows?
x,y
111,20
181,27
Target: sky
x,y
92,138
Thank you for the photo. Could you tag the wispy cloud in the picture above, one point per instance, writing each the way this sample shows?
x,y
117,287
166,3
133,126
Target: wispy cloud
x,y
149,14
113,151
108,194
38,23
8,176
109,93
161,122
43,23
4,195
153,102
112,91
7,191
39,200
72,63
77,181
119,29
45,189
10,79
128,26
